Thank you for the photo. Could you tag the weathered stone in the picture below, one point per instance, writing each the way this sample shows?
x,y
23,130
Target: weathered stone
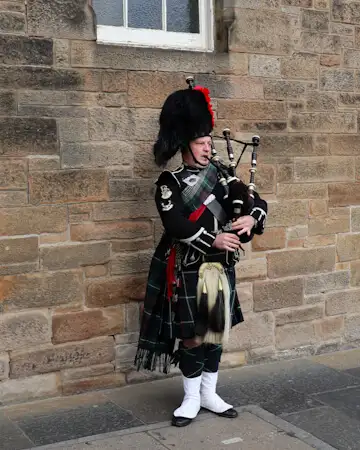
x,y
86,372
344,194
355,273
131,263
285,173
227,109
132,245
321,4
29,389
67,19
14,269
287,213
301,190
297,106
125,355
127,338
347,11
233,359
232,87
300,65
295,335
251,269
23,330
96,271
329,328
252,4
39,290
12,22
320,42
107,381
131,189
287,146
68,186
273,34
302,314
29,77
33,220
13,174
300,262
348,247
77,130
337,80
81,354
245,294
112,99
7,103
61,52
320,241
264,66
324,122
84,325
71,256
116,291
20,50
4,366
24,136
125,210
247,126
52,111
343,302
319,101
11,5
352,59
328,168
114,81
117,230
257,331
132,317
338,221
265,177
299,3
18,250
43,163
53,238
272,239
330,60
355,219
144,163
282,89
349,100
315,20
13,198
270,295
297,232
318,208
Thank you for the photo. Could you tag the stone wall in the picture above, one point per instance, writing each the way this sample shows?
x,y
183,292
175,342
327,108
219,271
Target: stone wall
x,y
77,219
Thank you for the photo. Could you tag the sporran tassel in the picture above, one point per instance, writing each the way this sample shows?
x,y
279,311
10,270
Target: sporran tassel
x,y
202,317
217,315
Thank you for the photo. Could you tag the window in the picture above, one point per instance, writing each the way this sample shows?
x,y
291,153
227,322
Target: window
x,y
176,24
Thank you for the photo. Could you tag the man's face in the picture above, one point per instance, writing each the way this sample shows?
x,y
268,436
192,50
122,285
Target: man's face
x,y
201,149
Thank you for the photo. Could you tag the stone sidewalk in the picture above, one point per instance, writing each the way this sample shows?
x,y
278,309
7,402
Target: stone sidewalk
x,y
306,403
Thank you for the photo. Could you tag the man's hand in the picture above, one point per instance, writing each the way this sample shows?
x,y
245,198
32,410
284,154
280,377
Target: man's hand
x,y
227,241
244,224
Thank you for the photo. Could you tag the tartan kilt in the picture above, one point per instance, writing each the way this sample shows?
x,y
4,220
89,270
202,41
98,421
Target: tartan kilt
x,y
163,321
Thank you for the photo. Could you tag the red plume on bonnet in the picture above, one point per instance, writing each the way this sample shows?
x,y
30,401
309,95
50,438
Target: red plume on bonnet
x,y
206,93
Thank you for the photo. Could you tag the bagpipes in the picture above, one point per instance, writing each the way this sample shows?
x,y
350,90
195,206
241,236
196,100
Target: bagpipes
x,y
240,194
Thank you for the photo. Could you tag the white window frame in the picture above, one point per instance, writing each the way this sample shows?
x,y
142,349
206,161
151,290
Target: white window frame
x,y
141,37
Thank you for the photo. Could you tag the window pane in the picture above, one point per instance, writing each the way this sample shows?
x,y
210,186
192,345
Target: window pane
x,y
183,16
109,12
145,14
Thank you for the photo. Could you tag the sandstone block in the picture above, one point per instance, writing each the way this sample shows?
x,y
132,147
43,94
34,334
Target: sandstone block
x,y
107,381
300,65
265,177
273,238
343,302
257,331
313,42
338,221
319,284
125,210
233,359
320,101
231,86
297,232
117,230
330,60
18,250
14,269
250,126
298,3
329,328
264,66
132,245
71,256
109,124
96,271
53,358
127,338
12,22
28,389
68,186
287,213
355,273
4,366
348,247
352,328
43,163
318,208
144,165
52,111
127,263
40,290
252,4
349,100
53,238
315,20
68,19
323,122
320,241
249,110
22,330
344,194
84,325
302,314
62,52
283,90
285,173
33,220
251,269
26,136
273,32
114,81
20,50
10,5
347,11
295,335
132,318
300,262
116,291
321,4
125,355
13,173
270,295
132,189
337,80
86,372
287,146
7,103
245,294
301,190
13,198
96,154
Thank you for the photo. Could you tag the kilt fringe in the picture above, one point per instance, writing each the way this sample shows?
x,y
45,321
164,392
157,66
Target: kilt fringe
x,y
151,360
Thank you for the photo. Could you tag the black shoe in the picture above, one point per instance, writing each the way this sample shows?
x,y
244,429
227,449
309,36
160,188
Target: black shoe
x,y
180,421
229,414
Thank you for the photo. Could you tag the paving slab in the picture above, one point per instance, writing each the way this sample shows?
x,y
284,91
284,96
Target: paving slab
x,y
342,360
11,437
344,400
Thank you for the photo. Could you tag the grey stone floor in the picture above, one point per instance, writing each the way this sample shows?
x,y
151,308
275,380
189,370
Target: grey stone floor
x,y
319,395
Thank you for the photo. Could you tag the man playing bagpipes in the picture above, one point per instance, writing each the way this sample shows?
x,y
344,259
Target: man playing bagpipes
x,y
191,291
